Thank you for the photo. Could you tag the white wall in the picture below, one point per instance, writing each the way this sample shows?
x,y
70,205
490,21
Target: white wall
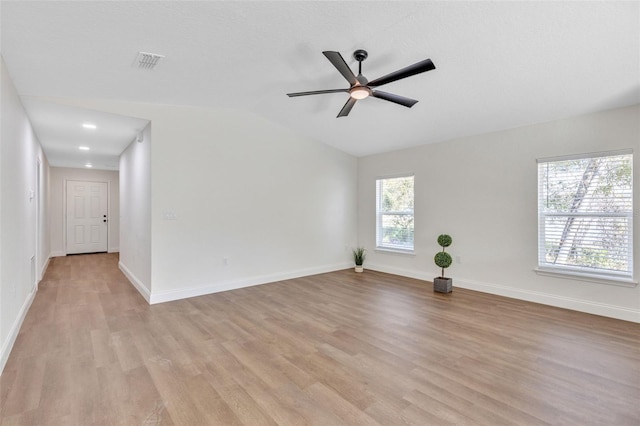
x,y
4,341
135,213
20,154
483,191
273,203
59,177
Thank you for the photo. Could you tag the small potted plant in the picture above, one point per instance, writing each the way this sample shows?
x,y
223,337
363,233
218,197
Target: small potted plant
x,y
359,255
443,260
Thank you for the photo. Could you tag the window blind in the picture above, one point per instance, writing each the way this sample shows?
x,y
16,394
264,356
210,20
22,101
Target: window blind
x,y
585,207
394,213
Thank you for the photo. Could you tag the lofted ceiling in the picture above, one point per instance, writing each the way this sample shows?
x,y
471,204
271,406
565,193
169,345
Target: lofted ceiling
x,y
499,65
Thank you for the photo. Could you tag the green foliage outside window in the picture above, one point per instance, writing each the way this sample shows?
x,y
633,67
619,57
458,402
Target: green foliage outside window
x,y
396,212
586,210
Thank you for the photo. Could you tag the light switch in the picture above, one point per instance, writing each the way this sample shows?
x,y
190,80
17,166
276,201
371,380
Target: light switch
x,y
169,215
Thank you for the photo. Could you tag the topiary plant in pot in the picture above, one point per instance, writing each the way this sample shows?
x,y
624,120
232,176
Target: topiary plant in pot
x,y
443,260
359,255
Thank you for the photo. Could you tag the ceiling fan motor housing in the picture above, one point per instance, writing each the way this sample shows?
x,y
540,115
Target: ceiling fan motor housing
x,y
360,55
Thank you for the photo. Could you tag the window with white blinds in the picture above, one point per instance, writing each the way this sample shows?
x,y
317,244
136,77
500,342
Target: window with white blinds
x,y
394,213
585,208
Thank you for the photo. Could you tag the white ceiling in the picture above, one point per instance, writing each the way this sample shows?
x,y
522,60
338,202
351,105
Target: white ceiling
x,y
499,64
61,130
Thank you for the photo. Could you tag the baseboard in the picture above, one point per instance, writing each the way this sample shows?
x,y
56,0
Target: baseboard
x,y
44,268
114,250
418,275
136,282
184,293
15,329
602,309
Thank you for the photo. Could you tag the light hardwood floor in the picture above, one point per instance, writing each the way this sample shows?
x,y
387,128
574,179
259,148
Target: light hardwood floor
x,y
331,349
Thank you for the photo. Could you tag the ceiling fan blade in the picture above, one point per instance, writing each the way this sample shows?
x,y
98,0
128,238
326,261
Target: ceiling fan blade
x,y
346,109
317,92
396,99
414,69
338,62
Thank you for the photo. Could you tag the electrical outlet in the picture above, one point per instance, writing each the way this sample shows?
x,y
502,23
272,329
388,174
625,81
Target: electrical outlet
x,y
225,261
458,259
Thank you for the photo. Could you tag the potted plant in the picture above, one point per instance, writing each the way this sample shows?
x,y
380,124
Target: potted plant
x,y
443,260
359,254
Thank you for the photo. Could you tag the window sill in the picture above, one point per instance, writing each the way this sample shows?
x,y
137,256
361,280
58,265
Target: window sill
x,y
395,251
593,278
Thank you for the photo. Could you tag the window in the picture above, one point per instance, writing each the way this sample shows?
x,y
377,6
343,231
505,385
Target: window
x,y
394,213
585,208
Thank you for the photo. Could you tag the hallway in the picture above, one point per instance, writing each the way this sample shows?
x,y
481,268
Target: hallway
x,y
64,366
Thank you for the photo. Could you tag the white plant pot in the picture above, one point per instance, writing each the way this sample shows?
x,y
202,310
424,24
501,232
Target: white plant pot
x,y
359,268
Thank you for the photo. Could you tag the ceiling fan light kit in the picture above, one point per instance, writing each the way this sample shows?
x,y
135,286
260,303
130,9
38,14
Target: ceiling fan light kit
x,y
361,88
359,92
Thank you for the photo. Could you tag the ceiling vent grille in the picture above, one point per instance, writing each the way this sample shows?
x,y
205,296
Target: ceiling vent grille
x,y
147,61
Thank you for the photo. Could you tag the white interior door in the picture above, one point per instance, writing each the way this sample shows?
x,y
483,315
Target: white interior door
x,y
87,216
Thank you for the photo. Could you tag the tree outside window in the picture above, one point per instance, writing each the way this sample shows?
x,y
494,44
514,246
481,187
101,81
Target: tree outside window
x,y
586,213
395,220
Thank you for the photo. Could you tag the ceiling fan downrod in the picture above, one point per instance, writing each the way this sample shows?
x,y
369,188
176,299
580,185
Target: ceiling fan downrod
x,y
360,55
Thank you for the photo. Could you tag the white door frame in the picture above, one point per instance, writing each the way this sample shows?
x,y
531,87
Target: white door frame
x,y
64,206
38,215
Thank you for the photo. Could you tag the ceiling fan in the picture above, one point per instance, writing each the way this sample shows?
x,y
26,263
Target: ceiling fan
x,y
361,87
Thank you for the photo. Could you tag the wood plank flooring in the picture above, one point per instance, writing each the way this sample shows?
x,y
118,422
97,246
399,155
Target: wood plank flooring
x,y
331,349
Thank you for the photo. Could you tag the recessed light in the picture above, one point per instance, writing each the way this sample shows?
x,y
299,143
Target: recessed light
x,y
84,148
88,165
89,126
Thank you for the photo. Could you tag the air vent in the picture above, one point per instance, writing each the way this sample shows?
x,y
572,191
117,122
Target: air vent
x,y
147,61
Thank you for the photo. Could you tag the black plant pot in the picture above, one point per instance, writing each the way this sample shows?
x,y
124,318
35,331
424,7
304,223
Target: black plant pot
x,y
443,285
